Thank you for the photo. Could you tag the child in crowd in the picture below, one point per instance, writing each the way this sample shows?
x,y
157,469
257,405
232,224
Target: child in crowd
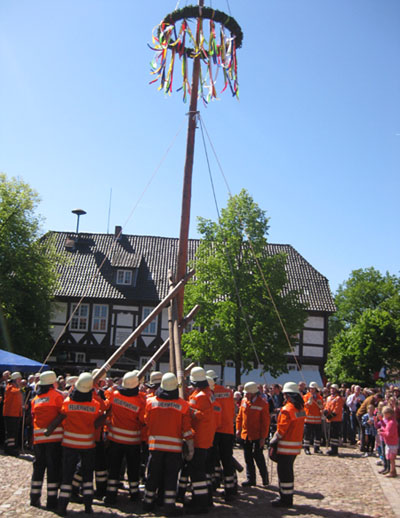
x,y
370,430
380,445
390,435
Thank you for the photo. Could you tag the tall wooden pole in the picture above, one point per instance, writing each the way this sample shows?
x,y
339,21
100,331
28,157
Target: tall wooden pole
x,y
187,180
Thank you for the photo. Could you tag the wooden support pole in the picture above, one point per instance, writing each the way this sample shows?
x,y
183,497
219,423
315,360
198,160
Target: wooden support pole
x,y
172,361
188,369
187,179
138,331
164,347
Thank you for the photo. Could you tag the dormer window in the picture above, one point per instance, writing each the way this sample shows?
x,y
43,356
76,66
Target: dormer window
x,y
124,277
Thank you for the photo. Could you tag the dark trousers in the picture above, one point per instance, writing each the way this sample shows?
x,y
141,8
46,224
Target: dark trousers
x,y
253,452
336,427
48,457
71,457
162,474
223,443
354,427
286,477
195,470
12,426
312,435
116,454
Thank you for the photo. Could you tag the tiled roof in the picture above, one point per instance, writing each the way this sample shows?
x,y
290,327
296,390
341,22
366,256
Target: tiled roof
x,y
81,275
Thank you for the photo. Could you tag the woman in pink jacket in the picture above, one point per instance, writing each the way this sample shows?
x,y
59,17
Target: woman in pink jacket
x,y
390,435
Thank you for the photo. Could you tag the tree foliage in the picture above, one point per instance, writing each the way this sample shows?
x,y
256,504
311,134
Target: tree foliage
x,y
237,318
365,330
27,276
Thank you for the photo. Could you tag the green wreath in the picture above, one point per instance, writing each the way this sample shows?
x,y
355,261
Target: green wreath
x,y
195,11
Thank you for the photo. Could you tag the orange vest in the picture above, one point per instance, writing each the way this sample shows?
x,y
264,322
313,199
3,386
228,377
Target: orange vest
x,y
290,427
168,423
12,401
253,419
45,408
104,404
127,418
79,423
224,397
313,407
203,419
335,404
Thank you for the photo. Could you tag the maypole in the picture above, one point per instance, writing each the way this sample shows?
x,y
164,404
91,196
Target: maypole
x,y
172,41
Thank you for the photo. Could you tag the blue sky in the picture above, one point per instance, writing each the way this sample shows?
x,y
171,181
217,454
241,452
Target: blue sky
x,y
315,137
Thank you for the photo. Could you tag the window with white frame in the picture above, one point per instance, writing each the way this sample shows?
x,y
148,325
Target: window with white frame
x,y
124,277
100,317
151,329
80,358
79,321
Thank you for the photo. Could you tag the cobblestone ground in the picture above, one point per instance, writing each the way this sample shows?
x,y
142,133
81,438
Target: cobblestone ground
x,y
327,487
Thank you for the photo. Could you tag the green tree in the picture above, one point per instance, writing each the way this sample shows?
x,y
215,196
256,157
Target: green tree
x,y
365,330
27,275
237,317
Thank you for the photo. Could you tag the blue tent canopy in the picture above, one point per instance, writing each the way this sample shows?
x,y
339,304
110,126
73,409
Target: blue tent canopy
x,y
15,362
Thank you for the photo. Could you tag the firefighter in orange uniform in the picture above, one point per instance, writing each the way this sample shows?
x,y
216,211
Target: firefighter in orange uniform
x,y
169,426
12,413
46,406
313,405
203,424
289,437
79,414
334,415
252,425
224,435
125,428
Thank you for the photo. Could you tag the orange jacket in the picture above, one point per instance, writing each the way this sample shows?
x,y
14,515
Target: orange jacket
x,y
104,405
168,423
253,419
290,427
13,401
334,404
313,408
45,408
127,418
224,397
203,418
79,423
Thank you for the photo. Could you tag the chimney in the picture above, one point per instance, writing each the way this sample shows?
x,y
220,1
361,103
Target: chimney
x,y
118,232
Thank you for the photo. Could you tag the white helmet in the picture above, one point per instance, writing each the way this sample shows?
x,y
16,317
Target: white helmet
x,y
212,374
251,387
198,374
47,378
211,382
169,382
335,386
15,376
96,371
130,380
290,387
155,377
71,380
84,383
313,384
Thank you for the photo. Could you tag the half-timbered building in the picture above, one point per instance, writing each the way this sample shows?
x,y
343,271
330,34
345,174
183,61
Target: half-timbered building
x,y
117,281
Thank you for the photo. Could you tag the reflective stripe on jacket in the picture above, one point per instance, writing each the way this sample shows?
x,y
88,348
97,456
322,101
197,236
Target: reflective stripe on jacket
x,y
168,423
79,423
313,408
127,418
224,398
290,428
45,408
253,419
